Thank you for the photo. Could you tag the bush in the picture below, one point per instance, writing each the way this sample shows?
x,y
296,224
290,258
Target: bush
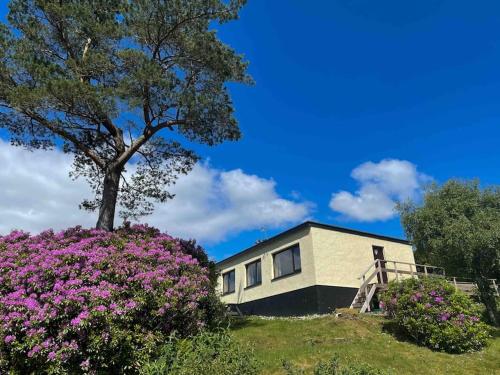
x,y
433,314
84,301
208,353
335,367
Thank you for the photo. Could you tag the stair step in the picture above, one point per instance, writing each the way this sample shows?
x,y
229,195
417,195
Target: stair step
x,y
361,297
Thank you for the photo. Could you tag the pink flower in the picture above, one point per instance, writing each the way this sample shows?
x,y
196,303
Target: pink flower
x,y
9,338
56,282
444,317
51,356
131,304
34,350
85,365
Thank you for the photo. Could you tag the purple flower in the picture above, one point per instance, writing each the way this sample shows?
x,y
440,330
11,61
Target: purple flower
x,y
51,356
438,299
416,297
131,304
444,317
9,338
34,350
31,303
76,321
85,365
56,282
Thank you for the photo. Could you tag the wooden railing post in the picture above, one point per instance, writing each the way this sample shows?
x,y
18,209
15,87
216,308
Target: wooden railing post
x,y
364,280
396,270
455,283
425,270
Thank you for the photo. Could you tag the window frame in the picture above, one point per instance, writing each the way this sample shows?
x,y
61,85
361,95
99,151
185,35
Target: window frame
x,y
234,284
246,273
295,270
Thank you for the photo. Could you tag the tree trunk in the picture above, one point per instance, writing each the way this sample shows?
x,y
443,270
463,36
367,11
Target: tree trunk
x,y
488,298
109,197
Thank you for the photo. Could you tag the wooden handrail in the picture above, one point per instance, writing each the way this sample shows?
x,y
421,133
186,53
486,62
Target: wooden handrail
x,y
380,266
366,281
368,269
368,287
426,266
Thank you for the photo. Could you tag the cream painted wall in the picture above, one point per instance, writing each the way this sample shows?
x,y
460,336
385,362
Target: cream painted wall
x,y
270,287
340,258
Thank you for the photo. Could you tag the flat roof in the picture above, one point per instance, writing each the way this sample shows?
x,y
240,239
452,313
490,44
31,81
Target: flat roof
x,y
317,225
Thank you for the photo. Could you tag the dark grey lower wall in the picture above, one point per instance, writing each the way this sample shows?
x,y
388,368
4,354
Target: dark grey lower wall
x,y
331,297
317,299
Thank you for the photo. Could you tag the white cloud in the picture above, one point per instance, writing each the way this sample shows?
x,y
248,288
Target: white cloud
x,y
210,204
381,186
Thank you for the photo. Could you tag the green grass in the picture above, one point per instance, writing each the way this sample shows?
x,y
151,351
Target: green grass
x,y
355,338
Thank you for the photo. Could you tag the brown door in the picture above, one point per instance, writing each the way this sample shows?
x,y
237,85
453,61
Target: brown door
x,y
378,253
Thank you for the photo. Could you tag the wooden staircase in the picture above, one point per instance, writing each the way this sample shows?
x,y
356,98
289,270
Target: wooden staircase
x,y
362,300
232,309
377,275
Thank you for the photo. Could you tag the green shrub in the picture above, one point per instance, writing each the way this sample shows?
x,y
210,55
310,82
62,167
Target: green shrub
x,y
209,353
90,301
334,367
434,314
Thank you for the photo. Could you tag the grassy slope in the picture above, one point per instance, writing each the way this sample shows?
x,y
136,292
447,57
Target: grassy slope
x,y
357,337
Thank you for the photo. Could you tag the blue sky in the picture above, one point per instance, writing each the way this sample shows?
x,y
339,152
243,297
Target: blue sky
x,y
342,83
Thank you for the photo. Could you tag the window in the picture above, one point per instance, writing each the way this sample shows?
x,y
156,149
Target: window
x,y
254,275
228,282
287,261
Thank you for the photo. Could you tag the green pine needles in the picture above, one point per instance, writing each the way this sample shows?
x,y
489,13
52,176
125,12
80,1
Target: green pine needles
x,y
119,81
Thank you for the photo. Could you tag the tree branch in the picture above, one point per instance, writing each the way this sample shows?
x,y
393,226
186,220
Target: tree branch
x,y
148,133
68,136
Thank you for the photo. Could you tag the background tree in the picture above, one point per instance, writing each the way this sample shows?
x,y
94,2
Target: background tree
x,y
458,227
115,81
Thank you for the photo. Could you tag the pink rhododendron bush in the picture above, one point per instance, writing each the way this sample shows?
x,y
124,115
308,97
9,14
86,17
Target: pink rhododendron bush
x,y
89,301
433,314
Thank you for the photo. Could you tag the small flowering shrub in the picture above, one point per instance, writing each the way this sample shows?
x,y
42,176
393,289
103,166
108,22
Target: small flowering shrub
x,y
89,301
432,313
